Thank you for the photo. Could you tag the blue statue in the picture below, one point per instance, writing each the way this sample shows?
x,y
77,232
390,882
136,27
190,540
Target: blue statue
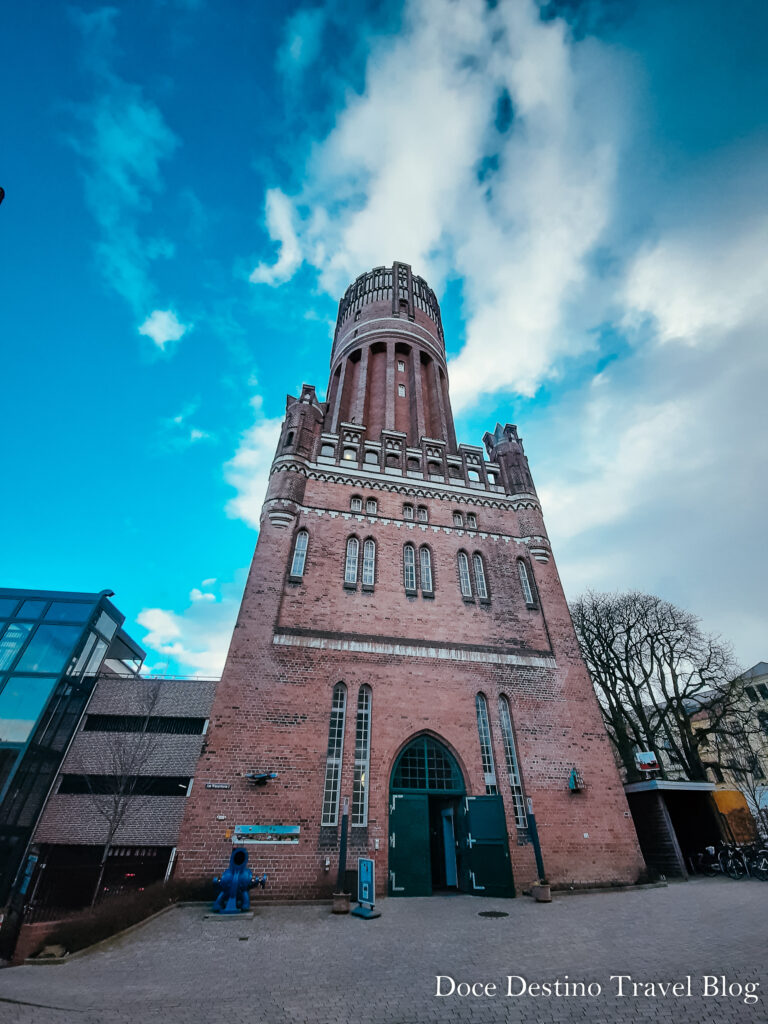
x,y
233,897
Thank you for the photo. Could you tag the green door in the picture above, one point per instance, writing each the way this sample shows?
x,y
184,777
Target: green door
x,y
410,873
485,865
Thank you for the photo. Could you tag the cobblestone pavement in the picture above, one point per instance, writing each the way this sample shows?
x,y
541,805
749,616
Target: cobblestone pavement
x,y
302,964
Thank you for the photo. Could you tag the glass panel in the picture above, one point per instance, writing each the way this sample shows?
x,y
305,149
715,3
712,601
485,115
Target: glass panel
x,y
425,764
356,504
68,611
49,649
369,563
482,589
423,515
464,581
486,751
94,662
299,553
524,583
409,567
11,643
8,758
21,703
425,562
330,812
360,783
31,610
350,567
371,506
513,768
106,625
7,604
407,511
78,667
457,520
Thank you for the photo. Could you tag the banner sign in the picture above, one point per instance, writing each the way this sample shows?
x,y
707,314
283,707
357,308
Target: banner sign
x,y
366,888
254,834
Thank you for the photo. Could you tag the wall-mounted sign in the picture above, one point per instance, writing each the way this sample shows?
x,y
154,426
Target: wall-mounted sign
x,y
218,785
266,834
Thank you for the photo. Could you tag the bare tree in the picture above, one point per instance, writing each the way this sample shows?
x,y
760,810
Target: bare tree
x,y
663,683
123,791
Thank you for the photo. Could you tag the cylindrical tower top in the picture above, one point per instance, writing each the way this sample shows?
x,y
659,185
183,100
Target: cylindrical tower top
x,y
388,364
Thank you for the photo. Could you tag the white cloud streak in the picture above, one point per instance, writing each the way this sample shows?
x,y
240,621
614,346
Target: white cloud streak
x,y
163,326
248,470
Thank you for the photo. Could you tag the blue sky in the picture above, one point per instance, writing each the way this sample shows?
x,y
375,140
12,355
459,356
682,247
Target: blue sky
x,y
190,187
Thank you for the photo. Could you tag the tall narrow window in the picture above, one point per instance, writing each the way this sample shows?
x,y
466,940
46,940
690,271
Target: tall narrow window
x,y
362,757
486,752
356,504
330,814
471,520
350,565
464,581
458,519
409,567
371,506
422,514
299,553
480,584
425,565
407,511
513,767
524,581
369,563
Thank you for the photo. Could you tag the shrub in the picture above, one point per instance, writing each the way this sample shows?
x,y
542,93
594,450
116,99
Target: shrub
x,y
86,927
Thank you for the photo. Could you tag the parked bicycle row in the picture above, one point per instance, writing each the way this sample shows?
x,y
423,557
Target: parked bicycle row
x,y
737,861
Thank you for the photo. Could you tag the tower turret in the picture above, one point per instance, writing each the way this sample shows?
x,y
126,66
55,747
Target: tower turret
x,y
388,366
506,448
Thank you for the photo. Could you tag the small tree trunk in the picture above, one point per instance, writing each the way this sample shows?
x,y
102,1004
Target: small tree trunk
x,y
102,869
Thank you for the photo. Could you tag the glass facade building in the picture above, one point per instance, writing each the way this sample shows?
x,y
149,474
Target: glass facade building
x,y
52,646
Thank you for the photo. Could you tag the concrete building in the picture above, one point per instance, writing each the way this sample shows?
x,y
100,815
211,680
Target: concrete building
x,y
404,644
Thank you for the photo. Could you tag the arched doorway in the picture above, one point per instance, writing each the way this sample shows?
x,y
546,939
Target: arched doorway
x,y
440,839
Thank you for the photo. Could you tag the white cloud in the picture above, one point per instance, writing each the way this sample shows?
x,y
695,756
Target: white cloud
x,y
280,218
209,582
198,595
248,469
162,326
301,47
195,641
697,287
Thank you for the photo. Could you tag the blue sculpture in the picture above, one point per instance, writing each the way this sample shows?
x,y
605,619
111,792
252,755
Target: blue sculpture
x,y
233,897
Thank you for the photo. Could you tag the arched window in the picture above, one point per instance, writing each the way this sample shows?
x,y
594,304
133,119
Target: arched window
x,y
464,581
350,454
422,514
288,439
458,519
371,506
299,553
350,564
434,469
356,504
525,583
471,520
369,563
425,567
472,474
407,511
360,784
330,815
327,451
513,767
371,457
481,587
486,752
409,568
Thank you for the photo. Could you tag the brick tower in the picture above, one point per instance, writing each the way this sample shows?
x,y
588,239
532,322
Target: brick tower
x,y
404,641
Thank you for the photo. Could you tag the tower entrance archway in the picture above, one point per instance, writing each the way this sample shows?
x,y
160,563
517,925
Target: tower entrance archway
x,y
440,839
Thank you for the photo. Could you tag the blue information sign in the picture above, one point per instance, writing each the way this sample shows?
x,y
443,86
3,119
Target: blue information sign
x,y
365,881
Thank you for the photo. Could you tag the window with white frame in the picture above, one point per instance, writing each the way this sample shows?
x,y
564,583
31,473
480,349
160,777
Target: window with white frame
x,y
401,365
407,511
513,766
525,583
425,568
330,814
356,504
422,515
360,784
465,583
299,553
409,568
371,506
486,751
350,563
471,520
369,563
458,519
481,587
401,390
